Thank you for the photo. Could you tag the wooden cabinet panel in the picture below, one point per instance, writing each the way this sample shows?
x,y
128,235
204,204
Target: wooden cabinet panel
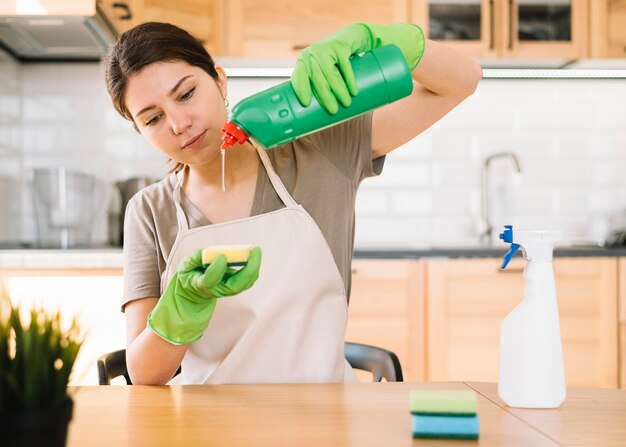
x,y
513,44
386,310
622,291
622,356
120,13
622,322
258,28
468,26
608,28
202,18
467,300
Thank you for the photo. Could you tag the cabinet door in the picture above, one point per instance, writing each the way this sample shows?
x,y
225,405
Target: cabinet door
x,y
258,28
608,28
544,29
467,300
468,25
387,310
622,322
201,18
121,13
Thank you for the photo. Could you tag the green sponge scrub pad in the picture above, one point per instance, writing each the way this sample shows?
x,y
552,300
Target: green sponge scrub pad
x,y
443,402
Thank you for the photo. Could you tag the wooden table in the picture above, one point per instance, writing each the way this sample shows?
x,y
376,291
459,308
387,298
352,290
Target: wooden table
x,y
366,414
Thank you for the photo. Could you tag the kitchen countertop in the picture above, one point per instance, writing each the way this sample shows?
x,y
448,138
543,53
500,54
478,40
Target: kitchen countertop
x,y
111,258
97,258
483,252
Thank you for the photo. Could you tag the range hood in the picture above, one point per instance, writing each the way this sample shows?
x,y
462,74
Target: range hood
x,y
59,30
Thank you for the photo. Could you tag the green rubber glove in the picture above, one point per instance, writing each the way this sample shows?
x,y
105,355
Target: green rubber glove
x,y
324,67
184,310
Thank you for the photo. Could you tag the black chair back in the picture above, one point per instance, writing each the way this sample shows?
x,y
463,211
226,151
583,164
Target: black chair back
x,y
383,364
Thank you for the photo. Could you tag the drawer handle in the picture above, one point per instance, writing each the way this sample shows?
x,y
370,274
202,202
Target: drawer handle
x,y
125,9
512,270
299,47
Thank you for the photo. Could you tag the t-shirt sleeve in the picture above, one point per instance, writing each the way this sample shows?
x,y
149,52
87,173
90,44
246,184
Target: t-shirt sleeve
x,y
141,271
348,146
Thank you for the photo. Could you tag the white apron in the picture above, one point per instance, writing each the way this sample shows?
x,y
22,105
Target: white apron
x,y
289,327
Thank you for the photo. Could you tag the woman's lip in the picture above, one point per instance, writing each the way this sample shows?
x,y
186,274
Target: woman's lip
x,y
194,140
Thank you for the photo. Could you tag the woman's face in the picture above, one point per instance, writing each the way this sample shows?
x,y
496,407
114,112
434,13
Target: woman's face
x,y
179,108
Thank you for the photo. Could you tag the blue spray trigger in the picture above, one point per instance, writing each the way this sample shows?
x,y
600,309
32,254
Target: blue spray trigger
x,y
509,255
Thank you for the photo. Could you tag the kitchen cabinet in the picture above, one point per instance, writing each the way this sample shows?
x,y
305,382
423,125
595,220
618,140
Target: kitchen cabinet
x,y
387,310
442,317
258,28
467,300
507,28
202,18
608,28
469,26
119,12
622,323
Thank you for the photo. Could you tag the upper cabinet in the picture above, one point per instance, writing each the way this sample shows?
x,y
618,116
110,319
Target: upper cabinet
x,y
469,25
120,13
202,18
507,28
608,28
484,29
258,28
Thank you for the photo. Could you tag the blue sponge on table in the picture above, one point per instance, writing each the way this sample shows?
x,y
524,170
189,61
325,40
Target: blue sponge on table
x,y
457,427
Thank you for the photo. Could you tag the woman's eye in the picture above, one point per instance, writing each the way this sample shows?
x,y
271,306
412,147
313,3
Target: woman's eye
x,y
187,95
152,121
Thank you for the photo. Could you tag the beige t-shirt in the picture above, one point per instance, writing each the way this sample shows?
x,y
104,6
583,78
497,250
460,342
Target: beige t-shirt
x,y
321,171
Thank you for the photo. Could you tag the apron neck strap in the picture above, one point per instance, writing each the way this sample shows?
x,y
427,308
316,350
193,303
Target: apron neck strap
x,y
180,214
274,179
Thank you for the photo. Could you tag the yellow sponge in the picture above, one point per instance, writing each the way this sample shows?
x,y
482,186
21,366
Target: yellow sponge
x,y
443,402
235,254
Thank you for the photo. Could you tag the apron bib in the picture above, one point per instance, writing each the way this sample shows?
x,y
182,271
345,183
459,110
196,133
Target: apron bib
x,y
289,327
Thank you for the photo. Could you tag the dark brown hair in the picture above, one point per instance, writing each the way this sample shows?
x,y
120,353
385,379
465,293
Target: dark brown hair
x,y
146,44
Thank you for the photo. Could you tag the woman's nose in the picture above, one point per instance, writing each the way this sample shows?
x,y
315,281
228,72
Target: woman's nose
x,y
179,122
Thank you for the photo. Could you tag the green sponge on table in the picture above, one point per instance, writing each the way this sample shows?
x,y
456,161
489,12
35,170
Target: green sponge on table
x,y
444,414
442,402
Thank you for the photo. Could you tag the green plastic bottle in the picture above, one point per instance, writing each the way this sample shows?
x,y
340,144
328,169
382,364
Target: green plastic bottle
x,y
275,117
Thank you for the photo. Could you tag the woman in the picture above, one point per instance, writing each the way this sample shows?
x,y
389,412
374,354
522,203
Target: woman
x,y
281,319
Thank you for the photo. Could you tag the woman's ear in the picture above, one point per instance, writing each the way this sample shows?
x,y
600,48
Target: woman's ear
x,y
221,81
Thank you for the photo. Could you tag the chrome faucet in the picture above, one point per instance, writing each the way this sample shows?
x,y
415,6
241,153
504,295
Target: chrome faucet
x,y
485,236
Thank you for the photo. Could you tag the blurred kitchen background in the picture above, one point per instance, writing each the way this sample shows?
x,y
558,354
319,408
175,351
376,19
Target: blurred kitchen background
x,y
569,136
541,144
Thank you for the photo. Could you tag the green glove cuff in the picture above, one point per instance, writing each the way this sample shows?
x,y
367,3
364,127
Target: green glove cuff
x,y
409,37
180,321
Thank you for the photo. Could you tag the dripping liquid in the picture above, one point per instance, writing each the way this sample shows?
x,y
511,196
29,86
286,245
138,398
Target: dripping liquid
x,y
223,151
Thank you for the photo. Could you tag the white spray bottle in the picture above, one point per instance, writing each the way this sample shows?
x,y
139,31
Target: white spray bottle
x,y
531,356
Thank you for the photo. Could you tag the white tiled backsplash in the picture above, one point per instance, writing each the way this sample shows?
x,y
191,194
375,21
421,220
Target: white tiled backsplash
x,y
570,136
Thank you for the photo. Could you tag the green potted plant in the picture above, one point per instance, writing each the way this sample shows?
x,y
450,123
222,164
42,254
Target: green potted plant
x,y
36,357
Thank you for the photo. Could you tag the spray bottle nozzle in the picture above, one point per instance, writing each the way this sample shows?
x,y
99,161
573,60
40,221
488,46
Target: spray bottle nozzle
x,y
536,245
507,236
231,134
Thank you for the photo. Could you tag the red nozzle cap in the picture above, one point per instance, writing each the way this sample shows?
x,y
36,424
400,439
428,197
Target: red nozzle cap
x,y
231,134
